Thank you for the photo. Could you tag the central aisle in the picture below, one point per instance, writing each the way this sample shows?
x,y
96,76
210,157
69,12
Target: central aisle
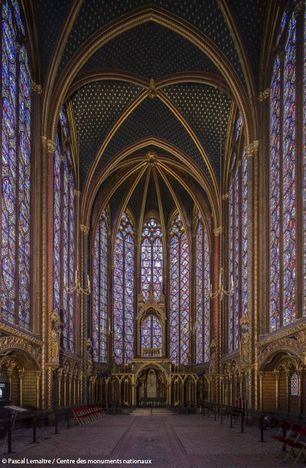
x,y
169,441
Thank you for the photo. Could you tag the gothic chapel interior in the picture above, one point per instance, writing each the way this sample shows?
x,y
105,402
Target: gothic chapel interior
x,y
153,203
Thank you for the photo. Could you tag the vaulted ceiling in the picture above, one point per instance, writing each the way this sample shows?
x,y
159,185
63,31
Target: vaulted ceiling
x,y
159,76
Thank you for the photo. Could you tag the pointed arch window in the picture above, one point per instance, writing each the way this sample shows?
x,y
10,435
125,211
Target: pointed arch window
x,y
202,291
151,259
284,217
64,234
15,167
179,304
151,336
238,214
124,292
100,300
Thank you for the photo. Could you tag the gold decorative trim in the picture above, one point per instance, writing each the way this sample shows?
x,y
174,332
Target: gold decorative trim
x,y
252,148
36,88
84,229
217,231
225,196
18,333
77,193
299,8
51,145
263,95
152,89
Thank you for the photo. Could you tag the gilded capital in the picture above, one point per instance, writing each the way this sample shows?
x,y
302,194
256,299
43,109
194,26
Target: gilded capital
x,y
84,229
51,145
263,95
252,148
225,196
77,193
44,140
37,88
217,231
299,8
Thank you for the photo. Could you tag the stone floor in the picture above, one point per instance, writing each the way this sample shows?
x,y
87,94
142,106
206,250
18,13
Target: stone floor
x,y
168,441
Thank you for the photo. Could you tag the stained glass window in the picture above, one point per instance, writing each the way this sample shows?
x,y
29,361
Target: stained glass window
x,y
124,292
294,385
283,182
15,169
179,312
100,290
152,259
238,215
151,336
202,326
64,234
304,158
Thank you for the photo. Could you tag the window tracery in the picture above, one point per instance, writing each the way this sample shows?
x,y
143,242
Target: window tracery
x,y
202,291
124,292
179,307
100,290
151,259
283,178
64,233
15,167
237,237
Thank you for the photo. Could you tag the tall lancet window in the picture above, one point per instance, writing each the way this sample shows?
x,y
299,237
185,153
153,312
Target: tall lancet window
x,y
15,167
237,237
179,304
152,259
64,233
202,290
282,183
124,292
100,275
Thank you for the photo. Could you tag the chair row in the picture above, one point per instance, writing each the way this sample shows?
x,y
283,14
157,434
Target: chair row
x,y
86,414
292,436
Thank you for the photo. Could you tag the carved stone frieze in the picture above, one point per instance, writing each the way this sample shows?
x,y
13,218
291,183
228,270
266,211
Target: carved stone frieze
x,y
294,344
10,343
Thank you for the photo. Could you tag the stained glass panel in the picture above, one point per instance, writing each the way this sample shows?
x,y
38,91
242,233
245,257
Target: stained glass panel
x,y
283,214
100,290
275,197
152,259
64,237
304,160
289,177
202,325
244,235
151,334
179,312
15,172
199,294
124,292
294,385
206,297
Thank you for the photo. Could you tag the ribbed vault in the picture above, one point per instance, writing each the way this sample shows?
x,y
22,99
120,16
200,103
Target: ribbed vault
x,y
136,73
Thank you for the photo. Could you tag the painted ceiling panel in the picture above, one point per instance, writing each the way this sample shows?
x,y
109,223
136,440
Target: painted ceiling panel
x,y
150,50
51,19
204,14
207,111
152,119
96,107
250,22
